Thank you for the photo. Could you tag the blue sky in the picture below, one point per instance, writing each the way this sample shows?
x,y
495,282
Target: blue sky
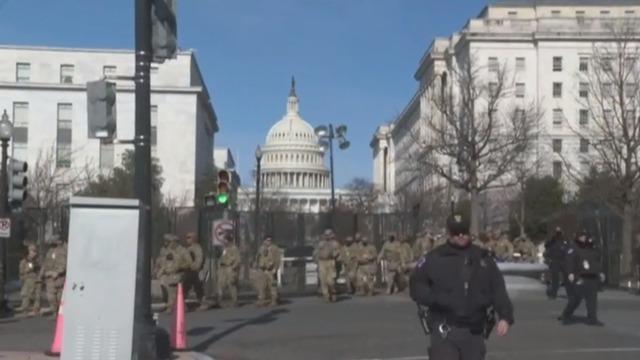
x,y
353,59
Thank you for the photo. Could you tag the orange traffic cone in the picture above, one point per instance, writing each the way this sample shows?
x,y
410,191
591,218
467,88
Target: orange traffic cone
x,y
178,330
56,346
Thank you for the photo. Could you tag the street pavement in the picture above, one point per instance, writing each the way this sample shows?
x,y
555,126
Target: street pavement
x,y
382,327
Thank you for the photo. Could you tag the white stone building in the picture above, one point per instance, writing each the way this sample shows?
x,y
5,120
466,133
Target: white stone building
x,y
44,92
545,46
294,176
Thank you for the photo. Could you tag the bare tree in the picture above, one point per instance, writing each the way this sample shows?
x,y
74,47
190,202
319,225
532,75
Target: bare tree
x,y
362,197
610,127
477,130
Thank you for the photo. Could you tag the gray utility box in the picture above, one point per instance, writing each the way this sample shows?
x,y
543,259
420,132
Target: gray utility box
x,y
101,277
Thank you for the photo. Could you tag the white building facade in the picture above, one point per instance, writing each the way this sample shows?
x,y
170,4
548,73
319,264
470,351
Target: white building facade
x,y
545,47
44,93
293,174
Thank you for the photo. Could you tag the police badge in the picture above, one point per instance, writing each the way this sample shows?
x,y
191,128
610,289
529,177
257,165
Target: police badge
x,y
585,265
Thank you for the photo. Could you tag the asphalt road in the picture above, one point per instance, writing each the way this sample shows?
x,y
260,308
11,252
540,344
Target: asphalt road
x,y
382,327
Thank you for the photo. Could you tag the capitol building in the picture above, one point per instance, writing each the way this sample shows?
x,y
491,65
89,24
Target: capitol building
x,y
293,176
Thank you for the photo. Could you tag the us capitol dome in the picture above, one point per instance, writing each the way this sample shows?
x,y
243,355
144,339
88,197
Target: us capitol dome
x,y
293,176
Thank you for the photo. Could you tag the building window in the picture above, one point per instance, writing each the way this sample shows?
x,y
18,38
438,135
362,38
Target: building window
x,y
66,74
583,90
584,146
585,167
558,117
557,89
521,64
494,66
557,145
580,13
607,115
607,64
584,117
154,69
520,90
23,72
630,90
106,155
556,13
607,89
154,125
557,169
557,63
584,64
493,89
63,141
605,12
20,130
109,70
512,13
580,17
629,12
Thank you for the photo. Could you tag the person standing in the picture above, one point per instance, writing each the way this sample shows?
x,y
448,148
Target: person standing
x,y
459,283
406,263
584,269
422,246
31,282
392,256
555,252
325,255
229,271
268,262
172,263
192,274
54,270
504,249
349,259
367,267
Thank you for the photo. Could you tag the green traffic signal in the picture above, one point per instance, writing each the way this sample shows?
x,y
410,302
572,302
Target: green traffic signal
x,y
223,198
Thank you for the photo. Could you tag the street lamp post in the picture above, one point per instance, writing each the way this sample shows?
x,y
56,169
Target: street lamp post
x,y
258,181
6,132
326,134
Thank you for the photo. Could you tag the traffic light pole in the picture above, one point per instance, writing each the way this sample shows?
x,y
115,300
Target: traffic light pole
x,y
144,328
4,208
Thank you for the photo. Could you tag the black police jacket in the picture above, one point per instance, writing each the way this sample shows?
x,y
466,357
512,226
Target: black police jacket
x,y
556,249
584,259
459,285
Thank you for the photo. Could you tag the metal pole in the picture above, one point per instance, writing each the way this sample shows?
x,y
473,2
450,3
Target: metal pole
x,y
258,181
333,188
4,208
144,329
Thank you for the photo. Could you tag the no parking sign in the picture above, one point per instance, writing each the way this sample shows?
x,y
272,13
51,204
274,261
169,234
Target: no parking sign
x,y
5,228
219,230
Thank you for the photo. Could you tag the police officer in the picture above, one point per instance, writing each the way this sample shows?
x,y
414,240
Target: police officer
x,y
585,273
459,283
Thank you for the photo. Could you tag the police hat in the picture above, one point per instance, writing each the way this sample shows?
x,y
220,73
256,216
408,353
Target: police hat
x,y
457,224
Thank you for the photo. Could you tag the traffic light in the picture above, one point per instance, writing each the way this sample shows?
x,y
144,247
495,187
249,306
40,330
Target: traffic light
x,y
101,109
164,30
224,187
17,183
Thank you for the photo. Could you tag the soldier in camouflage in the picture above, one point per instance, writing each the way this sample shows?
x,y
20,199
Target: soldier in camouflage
x,y
54,270
349,259
407,263
268,262
31,282
391,254
325,255
172,264
367,267
192,274
229,271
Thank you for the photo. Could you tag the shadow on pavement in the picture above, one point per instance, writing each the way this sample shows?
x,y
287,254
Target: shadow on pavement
x,y
263,319
200,331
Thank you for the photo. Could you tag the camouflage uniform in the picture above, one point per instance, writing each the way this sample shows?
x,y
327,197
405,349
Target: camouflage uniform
x,y
53,271
392,255
422,246
526,248
31,282
192,274
171,265
228,272
268,262
367,267
325,255
406,258
349,259
504,249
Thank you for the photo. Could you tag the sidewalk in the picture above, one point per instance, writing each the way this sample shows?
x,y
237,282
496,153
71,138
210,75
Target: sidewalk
x,y
41,356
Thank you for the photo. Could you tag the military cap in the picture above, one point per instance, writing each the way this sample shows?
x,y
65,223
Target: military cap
x,y
458,224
